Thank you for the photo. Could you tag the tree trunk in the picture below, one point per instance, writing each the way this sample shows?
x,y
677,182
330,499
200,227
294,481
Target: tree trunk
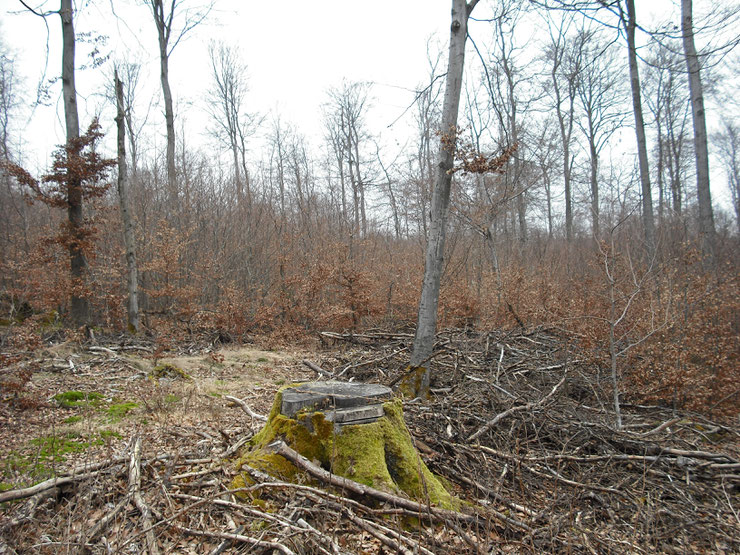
x,y
125,207
706,217
163,35
648,219
565,135
79,306
426,327
595,228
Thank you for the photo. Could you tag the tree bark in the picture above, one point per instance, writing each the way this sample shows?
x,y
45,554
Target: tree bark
x,y
707,232
125,207
594,179
164,29
648,219
79,305
426,327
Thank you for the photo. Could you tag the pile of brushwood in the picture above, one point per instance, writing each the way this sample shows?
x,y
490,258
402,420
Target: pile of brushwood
x,y
521,430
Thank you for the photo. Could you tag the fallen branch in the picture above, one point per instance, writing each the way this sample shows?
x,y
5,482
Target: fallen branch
x,y
320,371
443,515
134,482
529,406
246,408
253,542
77,475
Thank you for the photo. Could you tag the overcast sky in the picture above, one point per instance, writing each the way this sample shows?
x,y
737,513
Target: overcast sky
x,y
295,51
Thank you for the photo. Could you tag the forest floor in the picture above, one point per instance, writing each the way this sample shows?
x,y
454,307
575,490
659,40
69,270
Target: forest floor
x,y
108,448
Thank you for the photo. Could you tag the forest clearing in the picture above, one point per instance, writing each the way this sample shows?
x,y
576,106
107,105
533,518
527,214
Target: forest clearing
x,y
487,302
548,473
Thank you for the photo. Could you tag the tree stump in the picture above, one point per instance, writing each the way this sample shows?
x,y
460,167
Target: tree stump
x,y
353,430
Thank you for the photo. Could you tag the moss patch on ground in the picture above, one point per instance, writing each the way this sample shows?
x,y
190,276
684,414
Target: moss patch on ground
x,y
170,371
77,399
117,411
38,459
380,454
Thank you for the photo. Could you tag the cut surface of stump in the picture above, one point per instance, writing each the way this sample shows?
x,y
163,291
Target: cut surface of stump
x,y
343,403
354,430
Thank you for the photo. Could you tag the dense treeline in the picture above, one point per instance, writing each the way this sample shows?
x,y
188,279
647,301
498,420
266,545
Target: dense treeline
x,y
299,235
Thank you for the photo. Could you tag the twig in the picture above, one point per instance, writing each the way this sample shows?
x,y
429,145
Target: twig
x,y
498,368
246,408
370,529
98,349
553,475
663,426
254,542
491,423
488,491
75,476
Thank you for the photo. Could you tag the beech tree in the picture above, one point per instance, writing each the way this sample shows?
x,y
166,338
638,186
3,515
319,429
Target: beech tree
x,y
600,98
565,54
72,185
728,140
426,326
504,80
668,99
11,203
164,18
226,103
624,11
345,122
124,204
707,232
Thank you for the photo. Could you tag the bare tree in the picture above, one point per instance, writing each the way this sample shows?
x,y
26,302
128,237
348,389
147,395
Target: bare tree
x,y
601,98
668,100
125,208
11,200
504,80
130,74
169,37
426,326
421,165
8,98
707,232
227,98
624,11
565,55
629,22
345,122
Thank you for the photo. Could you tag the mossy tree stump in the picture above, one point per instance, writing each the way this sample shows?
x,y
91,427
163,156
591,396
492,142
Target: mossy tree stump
x,y
353,430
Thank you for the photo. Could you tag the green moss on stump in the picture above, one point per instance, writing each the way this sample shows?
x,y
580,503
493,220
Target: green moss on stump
x,y
410,385
379,454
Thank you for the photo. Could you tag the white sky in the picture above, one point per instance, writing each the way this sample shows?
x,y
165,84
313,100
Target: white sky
x,y
295,51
